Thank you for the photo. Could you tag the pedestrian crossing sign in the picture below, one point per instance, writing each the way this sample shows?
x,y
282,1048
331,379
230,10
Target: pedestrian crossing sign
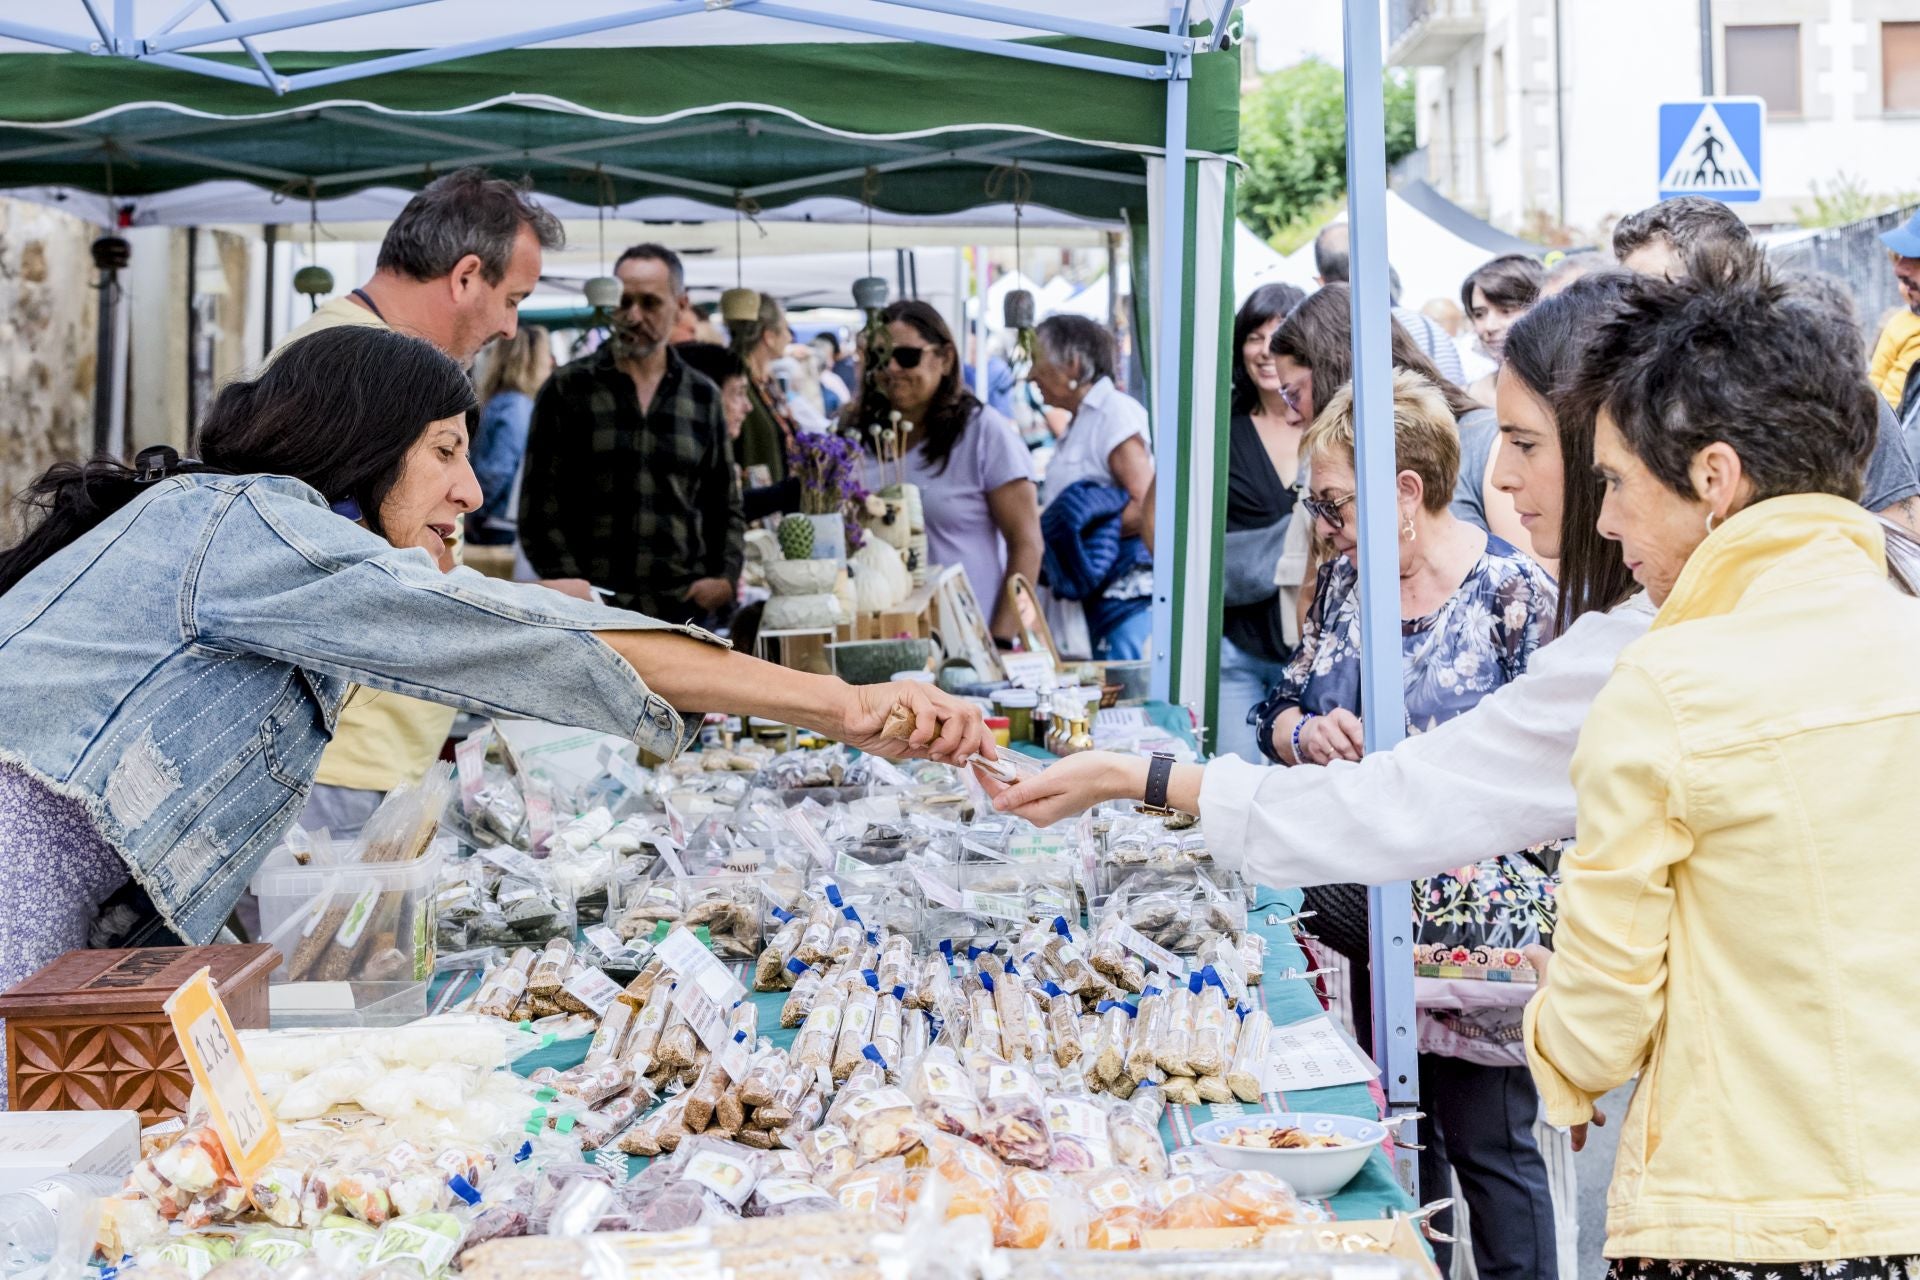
x,y
1712,147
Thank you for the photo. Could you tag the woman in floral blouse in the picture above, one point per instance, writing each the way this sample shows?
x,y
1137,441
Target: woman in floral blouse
x,y
1473,609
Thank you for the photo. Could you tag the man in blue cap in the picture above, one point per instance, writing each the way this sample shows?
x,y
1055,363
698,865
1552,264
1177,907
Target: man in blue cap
x,y
1899,341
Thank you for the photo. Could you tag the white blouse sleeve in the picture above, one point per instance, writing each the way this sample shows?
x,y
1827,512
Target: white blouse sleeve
x,y
1485,783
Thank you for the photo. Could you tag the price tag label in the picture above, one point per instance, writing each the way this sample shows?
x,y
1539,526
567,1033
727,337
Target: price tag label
x,y
709,1022
979,850
1149,950
219,1065
622,770
1028,670
470,758
607,942
594,989
996,906
681,952
670,854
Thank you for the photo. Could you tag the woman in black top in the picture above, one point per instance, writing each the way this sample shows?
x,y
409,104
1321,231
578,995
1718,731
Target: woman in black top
x,y
1263,475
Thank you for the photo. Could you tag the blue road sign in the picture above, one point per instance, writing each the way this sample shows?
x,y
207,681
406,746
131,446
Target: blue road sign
x,y
1712,147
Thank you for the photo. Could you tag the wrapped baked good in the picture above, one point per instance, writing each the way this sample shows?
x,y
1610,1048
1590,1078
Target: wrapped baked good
x,y
1143,1053
650,1136
778,1111
1247,1072
829,1150
501,990
1078,1126
599,1127
915,1031
728,908
678,1043
1134,1134
1116,1207
611,1036
705,1096
643,1041
550,970
1063,1025
1010,1007
1111,959
814,1045
856,1031
1043,1212
783,1195
1013,1109
881,1123
875,1188
1116,1040
816,938
770,972
1039,1036
887,1020
976,1185
983,1021
1181,1090
936,989
1212,1022
1255,1198
1189,1202
594,1084
765,1070
1076,974
804,988
1174,1048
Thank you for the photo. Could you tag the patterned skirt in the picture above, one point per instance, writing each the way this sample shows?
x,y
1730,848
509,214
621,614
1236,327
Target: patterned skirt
x,y
55,872
1902,1268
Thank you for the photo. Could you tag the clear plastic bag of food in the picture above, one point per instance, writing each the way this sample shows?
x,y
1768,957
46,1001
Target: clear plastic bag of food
x,y
1013,1109
1079,1127
888,1020
1010,1007
879,1189
1174,1053
983,1020
704,1097
881,1123
1063,1025
1255,1198
975,1184
1043,1212
678,1044
1133,1131
1212,1026
829,1150
1116,1040
784,1195
765,1070
856,1031
814,1045
1188,1202
1143,1053
803,989
1247,1073
770,972
501,990
944,1095
1117,1209
727,1170
651,1135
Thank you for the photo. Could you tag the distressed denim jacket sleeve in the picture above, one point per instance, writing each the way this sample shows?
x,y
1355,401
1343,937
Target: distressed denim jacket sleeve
x,y
283,577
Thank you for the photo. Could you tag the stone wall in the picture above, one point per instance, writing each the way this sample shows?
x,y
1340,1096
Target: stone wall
x,y
47,340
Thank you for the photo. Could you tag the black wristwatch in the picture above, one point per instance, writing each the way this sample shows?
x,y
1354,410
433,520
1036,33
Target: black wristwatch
x,y
1159,772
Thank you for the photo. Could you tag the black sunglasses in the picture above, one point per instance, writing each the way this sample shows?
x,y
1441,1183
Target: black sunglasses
x,y
1328,511
909,357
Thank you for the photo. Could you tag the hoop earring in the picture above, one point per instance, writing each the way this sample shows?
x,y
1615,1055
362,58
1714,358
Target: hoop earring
x,y
1709,522
1408,532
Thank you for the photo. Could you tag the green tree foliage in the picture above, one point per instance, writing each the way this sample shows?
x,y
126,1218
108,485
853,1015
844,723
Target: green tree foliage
x,y
1293,138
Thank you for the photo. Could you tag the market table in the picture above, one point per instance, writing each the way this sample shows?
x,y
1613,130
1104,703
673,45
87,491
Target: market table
x,y
1373,1194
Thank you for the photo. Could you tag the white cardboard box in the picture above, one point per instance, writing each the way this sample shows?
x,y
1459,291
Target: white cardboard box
x,y
39,1144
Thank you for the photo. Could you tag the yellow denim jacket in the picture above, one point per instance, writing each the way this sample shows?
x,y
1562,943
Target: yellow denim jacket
x,y
1737,924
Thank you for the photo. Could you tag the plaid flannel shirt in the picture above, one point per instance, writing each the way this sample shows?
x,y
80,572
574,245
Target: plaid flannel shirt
x,y
641,503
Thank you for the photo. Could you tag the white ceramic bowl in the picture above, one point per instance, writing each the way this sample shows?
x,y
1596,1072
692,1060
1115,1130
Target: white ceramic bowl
x,y
802,577
1311,1172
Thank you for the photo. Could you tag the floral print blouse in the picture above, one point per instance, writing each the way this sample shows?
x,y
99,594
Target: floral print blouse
x,y
1478,640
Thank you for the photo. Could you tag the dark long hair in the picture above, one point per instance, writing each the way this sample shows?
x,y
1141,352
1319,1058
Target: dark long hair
x,y
953,406
1268,302
1319,335
339,410
1544,349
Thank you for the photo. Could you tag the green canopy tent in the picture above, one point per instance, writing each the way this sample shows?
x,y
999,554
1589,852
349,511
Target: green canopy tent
x,y
681,109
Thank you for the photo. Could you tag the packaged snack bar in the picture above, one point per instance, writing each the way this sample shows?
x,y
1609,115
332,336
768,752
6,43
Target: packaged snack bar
x,y
1143,1052
770,971
1212,1024
1134,1137
501,990
1010,1006
647,1138
1247,1072
607,1041
983,1022
1116,1207
1043,1212
881,1123
816,938
887,1022
704,1097
943,1093
814,1046
1175,1052
550,969
804,989
678,1044
856,1031
1063,1025
1079,1128
1116,1039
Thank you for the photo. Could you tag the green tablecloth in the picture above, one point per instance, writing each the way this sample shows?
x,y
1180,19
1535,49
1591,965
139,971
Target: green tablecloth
x,y
1373,1194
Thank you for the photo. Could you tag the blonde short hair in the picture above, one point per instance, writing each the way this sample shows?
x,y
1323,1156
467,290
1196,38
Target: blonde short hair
x,y
1426,439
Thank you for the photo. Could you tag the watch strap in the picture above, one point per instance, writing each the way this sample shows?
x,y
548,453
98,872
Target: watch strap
x,y
1159,773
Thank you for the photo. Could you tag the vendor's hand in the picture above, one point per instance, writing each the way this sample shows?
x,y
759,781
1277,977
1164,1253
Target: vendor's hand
x,y
710,595
1579,1131
578,588
1071,786
945,728
1337,735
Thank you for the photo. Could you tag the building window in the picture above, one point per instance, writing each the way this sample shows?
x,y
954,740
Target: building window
x,y
1500,94
1900,66
1764,62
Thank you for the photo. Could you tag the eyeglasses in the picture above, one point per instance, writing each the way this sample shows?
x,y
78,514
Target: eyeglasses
x,y
909,357
1328,511
1292,397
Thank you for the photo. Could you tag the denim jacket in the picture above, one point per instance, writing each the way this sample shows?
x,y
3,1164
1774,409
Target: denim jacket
x,y
179,668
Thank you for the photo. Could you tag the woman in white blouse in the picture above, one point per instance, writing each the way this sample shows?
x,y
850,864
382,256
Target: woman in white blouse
x,y
1494,778
1107,443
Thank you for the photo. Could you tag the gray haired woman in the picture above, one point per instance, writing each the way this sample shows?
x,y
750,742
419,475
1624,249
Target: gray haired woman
x,y
1106,444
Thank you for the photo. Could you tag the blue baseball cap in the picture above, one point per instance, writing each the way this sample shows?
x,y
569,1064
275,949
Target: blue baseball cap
x,y
1904,241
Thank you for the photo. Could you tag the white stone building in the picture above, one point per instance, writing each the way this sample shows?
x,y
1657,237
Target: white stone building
x,y
1543,112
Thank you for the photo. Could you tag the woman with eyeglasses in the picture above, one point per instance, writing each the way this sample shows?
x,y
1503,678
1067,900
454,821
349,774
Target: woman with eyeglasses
x,y
1096,495
974,474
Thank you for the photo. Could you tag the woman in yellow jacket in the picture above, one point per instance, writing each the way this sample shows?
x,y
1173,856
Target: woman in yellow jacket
x,y
1736,924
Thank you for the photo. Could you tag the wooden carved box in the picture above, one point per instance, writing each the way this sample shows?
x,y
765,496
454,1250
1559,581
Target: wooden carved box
x,y
89,1033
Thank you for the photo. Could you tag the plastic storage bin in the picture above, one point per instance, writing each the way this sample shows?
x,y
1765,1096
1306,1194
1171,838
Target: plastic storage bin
x,y
358,937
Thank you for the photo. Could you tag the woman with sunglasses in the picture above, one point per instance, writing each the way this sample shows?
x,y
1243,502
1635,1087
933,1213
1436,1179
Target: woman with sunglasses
x,y
1106,444
974,474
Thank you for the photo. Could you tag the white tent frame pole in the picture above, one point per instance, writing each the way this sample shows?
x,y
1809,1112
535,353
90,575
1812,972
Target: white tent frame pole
x,y
1382,680
967,44
1168,334
1058,26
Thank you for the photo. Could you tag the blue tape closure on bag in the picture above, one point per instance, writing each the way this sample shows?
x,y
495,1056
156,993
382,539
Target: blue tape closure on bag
x,y
797,966
986,980
1052,989
1061,927
833,895
871,978
872,1055
946,949
782,915
464,1189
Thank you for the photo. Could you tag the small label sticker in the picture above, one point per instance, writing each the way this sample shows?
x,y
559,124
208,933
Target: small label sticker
x,y
994,906
593,988
938,892
513,862
726,1177
608,943
1149,950
681,952
708,1019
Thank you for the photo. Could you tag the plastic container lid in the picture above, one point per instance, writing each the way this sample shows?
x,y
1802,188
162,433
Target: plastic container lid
x,y
913,677
999,722
1017,698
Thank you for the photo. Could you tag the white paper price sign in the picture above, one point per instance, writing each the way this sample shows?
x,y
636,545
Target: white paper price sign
x,y
219,1065
1149,950
594,989
681,952
1315,1055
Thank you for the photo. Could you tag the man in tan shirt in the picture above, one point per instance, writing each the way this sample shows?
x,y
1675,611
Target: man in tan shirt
x,y
453,270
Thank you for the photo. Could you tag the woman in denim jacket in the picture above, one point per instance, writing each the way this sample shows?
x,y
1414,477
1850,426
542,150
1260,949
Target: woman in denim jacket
x,y
176,642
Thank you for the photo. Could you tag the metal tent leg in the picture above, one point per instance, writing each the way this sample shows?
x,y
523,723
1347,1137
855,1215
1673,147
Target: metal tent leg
x,y
1382,682
1169,330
